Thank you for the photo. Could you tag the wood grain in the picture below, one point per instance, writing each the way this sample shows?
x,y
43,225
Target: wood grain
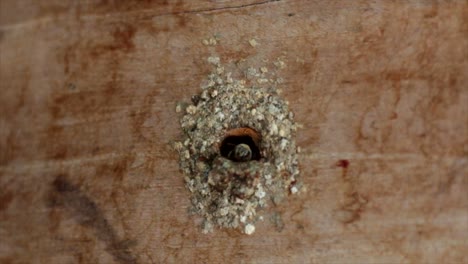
x,y
88,92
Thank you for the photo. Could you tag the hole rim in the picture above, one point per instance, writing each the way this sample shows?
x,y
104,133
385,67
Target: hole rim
x,y
241,135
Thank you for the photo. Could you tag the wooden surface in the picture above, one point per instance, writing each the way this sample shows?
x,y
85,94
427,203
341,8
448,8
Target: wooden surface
x,y
87,97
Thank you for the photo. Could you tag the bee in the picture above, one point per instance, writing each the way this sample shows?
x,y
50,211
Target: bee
x,y
241,145
240,152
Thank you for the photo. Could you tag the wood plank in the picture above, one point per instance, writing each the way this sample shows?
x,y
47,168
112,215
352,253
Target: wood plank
x,y
87,103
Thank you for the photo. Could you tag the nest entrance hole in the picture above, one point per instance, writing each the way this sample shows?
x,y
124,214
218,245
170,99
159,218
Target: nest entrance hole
x,y
241,145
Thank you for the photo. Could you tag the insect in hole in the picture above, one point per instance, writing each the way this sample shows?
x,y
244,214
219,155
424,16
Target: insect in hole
x,y
241,152
241,145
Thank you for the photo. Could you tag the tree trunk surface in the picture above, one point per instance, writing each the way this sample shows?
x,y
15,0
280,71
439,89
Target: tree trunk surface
x,y
88,91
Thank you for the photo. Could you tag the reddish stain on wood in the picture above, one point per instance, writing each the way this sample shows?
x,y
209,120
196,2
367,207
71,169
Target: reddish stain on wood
x,y
343,163
5,199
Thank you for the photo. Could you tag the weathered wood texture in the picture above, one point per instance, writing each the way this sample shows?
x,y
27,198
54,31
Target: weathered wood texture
x,y
87,97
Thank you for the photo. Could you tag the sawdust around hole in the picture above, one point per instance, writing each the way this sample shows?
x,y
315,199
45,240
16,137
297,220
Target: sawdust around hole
x,y
224,192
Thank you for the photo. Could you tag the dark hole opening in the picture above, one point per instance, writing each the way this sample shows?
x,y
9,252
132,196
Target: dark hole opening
x,y
237,148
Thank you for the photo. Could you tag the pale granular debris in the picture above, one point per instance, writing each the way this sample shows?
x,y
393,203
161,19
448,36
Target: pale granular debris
x,y
249,229
253,43
224,192
211,41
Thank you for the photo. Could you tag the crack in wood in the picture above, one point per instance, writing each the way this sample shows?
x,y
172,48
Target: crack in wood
x,y
54,19
224,8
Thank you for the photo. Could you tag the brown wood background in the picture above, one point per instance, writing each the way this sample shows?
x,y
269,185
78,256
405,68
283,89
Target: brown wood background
x,y
87,97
